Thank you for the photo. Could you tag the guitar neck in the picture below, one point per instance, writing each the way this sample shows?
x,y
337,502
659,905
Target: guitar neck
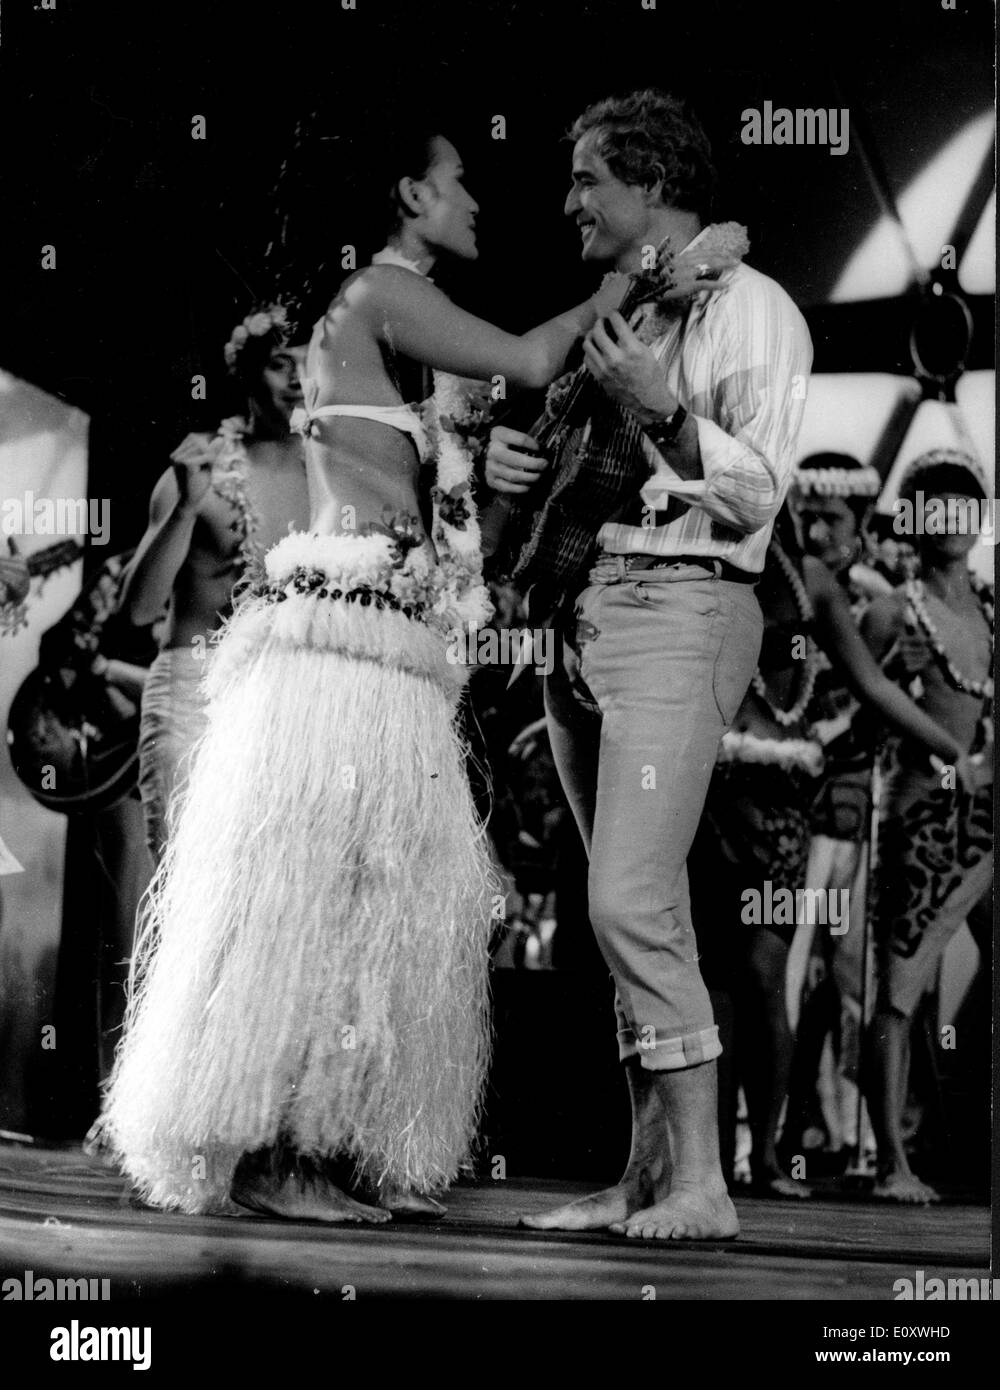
x,y
583,382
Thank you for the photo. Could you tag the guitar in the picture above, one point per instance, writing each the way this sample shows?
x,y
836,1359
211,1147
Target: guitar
x,y
73,737
598,461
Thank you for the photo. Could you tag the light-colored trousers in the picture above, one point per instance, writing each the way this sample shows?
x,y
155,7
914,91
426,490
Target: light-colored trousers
x,y
662,661
173,719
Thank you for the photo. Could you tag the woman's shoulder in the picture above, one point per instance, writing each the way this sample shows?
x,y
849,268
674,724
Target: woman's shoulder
x,y
380,288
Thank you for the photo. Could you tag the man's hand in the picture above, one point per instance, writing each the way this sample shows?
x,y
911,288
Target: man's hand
x,y
508,467
193,459
627,370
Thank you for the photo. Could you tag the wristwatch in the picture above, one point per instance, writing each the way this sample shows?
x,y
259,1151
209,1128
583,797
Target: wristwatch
x,y
664,432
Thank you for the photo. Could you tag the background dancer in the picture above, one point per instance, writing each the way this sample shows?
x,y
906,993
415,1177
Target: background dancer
x,y
755,832
936,840
225,501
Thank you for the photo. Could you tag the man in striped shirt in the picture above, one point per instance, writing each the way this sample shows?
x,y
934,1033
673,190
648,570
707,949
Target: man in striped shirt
x,y
665,636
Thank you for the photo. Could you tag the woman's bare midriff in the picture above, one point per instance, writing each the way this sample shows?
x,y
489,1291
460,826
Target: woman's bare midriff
x,y
360,472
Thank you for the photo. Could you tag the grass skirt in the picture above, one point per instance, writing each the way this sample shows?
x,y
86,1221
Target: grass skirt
x,y
312,963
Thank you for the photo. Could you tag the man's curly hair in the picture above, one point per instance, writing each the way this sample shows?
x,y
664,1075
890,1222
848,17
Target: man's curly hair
x,y
649,135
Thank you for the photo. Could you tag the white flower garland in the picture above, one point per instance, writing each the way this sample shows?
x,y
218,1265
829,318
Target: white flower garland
x,y
803,753
916,598
837,482
787,717
451,594
455,525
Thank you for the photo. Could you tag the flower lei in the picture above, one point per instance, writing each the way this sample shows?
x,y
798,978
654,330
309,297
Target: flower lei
x,y
255,325
384,563
728,240
788,753
916,598
787,717
455,419
229,481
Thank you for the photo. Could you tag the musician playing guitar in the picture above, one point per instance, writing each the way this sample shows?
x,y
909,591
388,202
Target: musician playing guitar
x,y
704,405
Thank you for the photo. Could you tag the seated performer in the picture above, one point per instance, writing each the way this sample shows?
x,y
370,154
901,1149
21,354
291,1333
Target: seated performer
x,y
225,501
311,990
935,854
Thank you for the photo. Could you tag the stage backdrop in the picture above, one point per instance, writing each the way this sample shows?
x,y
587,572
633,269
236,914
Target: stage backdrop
x,y
43,457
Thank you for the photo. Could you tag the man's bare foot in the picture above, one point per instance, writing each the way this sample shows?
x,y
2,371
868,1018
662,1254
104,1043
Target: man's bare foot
x,y
406,1205
601,1209
906,1188
688,1213
303,1199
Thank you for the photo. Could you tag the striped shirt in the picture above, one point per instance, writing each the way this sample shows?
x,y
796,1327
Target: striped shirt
x,y
738,361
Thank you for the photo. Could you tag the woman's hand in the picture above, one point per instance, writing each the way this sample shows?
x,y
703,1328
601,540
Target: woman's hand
x,y
696,271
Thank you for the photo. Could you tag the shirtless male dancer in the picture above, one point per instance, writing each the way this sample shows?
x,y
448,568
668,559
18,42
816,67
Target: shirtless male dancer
x,y
226,499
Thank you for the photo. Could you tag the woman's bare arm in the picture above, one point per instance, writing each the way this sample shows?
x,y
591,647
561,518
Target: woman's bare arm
x,y
418,320
838,634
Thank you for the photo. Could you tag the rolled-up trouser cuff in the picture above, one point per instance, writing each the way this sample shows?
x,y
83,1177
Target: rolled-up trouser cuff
x,y
670,1054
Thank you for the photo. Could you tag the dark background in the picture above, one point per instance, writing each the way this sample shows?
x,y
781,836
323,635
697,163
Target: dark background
x,y
161,239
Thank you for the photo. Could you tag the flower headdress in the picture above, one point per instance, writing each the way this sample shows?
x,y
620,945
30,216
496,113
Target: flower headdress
x,y
837,482
272,318
940,458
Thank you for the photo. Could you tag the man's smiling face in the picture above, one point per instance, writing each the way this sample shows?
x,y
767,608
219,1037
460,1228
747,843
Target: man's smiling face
x,y
613,217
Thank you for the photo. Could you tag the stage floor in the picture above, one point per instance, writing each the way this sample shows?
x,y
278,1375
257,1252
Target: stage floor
x,y
63,1215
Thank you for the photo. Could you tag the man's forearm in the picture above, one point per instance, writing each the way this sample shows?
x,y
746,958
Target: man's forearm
x,y
684,454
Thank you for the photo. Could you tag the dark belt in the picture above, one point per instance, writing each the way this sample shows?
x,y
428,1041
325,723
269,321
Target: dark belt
x,y
723,569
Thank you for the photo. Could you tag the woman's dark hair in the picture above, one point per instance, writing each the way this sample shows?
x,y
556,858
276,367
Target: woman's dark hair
x,y
353,173
649,135
860,506
411,156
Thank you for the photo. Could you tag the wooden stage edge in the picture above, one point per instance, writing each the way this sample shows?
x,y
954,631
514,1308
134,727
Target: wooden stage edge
x,y
63,1215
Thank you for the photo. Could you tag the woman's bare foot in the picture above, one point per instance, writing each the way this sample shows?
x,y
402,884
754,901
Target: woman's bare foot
x,y
302,1199
601,1209
905,1187
688,1213
407,1205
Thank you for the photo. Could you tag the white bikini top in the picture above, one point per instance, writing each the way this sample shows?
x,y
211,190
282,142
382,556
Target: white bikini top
x,y
399,417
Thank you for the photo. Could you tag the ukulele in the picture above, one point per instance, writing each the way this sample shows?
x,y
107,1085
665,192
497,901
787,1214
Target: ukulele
x,y
596,447
597,463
